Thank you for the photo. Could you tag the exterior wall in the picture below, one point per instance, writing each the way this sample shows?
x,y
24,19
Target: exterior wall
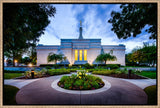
x,y
92,55
118,51
43,54
43,51
68,53
93,47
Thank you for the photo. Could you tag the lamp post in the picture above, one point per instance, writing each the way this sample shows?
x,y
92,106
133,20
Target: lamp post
x,y
129,73
16,62
32,74
32,71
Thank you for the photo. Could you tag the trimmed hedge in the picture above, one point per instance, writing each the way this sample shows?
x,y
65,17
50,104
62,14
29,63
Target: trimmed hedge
x,y
104,72
58,71
54,65
86,66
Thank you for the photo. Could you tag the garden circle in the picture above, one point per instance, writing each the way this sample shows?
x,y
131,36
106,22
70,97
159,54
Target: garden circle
x,y
104,88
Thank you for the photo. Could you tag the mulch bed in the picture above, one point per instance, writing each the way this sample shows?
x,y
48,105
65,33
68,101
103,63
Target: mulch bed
x,y
125,76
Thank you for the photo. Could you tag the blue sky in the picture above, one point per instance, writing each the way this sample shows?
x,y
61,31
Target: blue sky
x,y
95,24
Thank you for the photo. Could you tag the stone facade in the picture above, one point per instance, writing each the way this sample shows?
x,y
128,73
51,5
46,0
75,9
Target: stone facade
x,y
80,51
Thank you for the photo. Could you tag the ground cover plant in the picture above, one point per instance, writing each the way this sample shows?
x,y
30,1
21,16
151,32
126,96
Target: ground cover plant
x,y
9,95
46,72
151,91
81,81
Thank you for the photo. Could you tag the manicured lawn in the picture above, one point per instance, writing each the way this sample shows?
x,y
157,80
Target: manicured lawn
x,y
151,91
149,74
11,75
9,95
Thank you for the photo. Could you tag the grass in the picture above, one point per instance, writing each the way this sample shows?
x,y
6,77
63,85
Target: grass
x,y
136,66
11,75
9,95
149,74
151,91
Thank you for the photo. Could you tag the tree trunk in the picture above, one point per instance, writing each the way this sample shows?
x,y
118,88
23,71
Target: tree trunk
x,y
105,61
13,59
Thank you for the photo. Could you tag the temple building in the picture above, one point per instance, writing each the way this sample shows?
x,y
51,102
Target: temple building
x,y
80,51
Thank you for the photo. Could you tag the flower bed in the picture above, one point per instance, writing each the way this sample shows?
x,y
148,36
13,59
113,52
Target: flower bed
x,y
80,81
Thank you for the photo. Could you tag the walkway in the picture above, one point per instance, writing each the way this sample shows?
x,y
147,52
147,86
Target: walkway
x,y
120,92
142,83
19,83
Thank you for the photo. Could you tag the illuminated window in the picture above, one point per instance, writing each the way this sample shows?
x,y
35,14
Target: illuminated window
x,y
80,55
85,54
76,55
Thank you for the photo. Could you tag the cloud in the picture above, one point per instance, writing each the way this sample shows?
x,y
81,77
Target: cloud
x,y
94,18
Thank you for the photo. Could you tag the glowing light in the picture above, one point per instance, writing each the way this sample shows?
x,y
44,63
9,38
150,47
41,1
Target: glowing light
x,y
15,61
76,54
85,54
30,65
80,55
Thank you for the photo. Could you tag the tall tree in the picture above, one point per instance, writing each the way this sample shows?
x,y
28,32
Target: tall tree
x,y
146,54
23,24
133,18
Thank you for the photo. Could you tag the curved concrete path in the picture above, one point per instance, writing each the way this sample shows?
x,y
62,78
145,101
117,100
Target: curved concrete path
x,y
41,92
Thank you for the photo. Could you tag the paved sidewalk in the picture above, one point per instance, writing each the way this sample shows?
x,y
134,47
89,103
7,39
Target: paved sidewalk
x,y
19,83
121,92
142,83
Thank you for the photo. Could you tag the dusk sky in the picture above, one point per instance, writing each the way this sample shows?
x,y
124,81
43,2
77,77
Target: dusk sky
x,y
95,24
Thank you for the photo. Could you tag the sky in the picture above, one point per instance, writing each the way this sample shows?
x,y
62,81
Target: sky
x,y
65,25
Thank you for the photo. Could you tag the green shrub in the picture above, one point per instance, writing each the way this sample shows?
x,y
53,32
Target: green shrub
x,y
48,67
58,71
73,82
63,79
86,85
113,66
78,82
95,84
104,72
151,91
38,74
121,71
9,95
68,86
87,66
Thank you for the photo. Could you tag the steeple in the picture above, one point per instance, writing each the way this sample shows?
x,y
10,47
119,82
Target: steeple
x,y
80,31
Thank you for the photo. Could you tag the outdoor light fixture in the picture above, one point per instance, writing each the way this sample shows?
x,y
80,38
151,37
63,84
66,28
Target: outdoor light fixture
x,y
32,74
30,65
15,61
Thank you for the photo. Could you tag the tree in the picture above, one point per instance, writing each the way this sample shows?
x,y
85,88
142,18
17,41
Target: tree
x,y
23,24
64,58
146,54
32,55
26,60
133,18
104,57
54,57
150,53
